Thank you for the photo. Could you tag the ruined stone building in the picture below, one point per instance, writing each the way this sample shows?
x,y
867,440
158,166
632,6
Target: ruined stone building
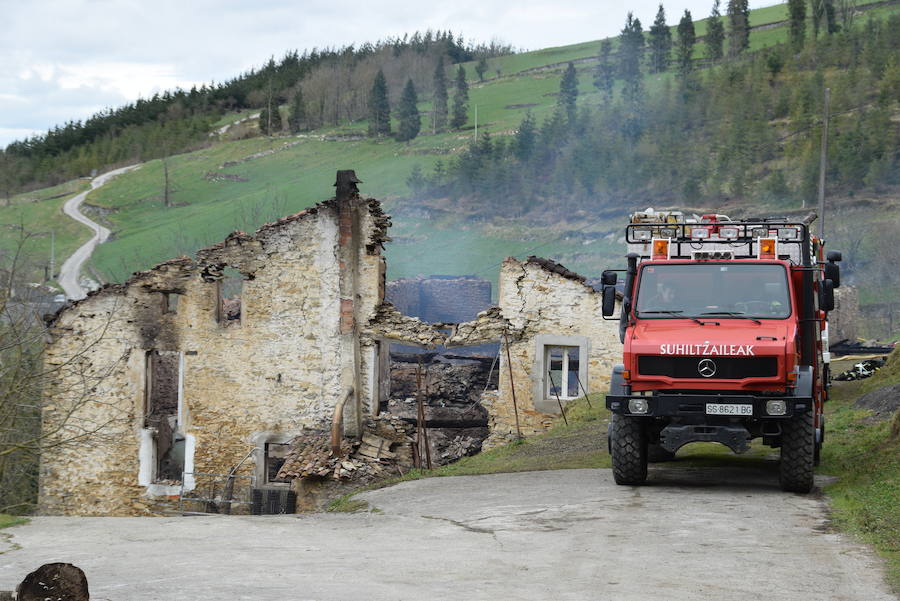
x,y
210,365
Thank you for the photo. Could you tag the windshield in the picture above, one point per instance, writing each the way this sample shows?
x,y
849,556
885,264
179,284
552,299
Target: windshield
x,y
739,290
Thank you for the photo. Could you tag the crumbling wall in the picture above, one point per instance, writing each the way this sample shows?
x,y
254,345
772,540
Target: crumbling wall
x,y
844,321
544,304
281,368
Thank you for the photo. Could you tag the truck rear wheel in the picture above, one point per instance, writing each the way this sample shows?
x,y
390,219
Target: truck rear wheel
x,y
628,443
798,450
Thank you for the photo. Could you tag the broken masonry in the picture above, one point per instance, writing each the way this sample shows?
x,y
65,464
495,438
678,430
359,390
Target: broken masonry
x,y
212,382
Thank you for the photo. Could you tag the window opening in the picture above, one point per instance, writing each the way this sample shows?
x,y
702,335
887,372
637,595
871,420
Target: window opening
x,y
229,290
170,302
275,455
163,372
562,363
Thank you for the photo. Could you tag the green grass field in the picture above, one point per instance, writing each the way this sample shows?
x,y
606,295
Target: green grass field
x,y
207,206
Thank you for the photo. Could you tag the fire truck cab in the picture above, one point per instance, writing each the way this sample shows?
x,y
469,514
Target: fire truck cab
x,y
724,330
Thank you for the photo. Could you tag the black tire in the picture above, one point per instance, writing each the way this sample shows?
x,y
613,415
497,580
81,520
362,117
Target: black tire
x,y
798,453
629,450
657,454
821,441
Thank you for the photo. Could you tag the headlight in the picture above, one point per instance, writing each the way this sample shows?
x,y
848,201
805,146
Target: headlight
x,y
642,233
638,406
668,232
776,407
788,233
728,233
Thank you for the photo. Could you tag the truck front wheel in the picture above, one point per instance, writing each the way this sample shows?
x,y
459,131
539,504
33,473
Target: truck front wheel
x,y
628,444
798,450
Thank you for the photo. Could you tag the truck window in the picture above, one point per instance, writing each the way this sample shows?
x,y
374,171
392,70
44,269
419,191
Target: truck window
x,y
672,290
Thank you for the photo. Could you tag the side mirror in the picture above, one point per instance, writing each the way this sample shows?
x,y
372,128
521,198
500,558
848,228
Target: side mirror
x,y
826,297
834,256
609,278
609,299
833,273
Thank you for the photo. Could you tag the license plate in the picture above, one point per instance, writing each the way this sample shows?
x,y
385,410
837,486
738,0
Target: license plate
x,y
728,409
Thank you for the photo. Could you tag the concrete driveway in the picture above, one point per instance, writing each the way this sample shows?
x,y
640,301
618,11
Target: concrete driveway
x,y
691,534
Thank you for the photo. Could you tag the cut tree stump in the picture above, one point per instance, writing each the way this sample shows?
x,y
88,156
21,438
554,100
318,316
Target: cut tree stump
x,y
54,582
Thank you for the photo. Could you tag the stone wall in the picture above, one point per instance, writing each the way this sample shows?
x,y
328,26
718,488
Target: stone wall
x,y
546,305
844,321
309,279
173,371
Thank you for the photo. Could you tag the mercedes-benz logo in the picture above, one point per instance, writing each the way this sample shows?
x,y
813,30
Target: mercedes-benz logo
x,y
707,368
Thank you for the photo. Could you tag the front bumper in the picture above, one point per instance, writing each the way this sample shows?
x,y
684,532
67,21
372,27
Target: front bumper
x,y
693,405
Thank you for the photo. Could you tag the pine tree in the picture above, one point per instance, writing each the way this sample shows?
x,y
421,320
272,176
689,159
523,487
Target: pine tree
x,y
481,67
379,107
739,27
269,126
523,143
660,42
408,113
797,15
604,75
297,113
460,100
686,38
631,51
715,34
439,102
568,91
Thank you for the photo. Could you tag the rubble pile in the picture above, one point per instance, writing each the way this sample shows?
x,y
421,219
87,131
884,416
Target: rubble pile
x,y
452,386
384,444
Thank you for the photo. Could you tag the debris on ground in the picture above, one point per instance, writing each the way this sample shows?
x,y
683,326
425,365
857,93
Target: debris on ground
x,y
861,370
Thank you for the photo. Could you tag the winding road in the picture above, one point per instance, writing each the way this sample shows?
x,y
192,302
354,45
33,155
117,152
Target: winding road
x,y
71,269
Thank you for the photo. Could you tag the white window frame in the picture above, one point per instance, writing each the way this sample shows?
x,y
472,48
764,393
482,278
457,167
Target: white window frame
x,y
564,382
147,444
543,399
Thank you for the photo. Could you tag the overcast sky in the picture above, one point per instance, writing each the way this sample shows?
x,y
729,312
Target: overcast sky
x,y
64,60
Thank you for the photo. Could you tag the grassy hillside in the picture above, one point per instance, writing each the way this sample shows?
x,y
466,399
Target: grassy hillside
x,y
212,196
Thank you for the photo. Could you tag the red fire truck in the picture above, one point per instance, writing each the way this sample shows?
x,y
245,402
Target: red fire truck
x,y
725,340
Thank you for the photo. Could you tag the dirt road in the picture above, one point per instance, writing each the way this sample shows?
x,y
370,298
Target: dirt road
x,y
573,535
70,271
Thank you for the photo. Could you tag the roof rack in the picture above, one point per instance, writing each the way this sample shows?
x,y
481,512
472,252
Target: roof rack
x,y
738,237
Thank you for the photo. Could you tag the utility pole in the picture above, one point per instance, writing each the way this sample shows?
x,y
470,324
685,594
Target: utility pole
x,y
476,122
52,254
823,158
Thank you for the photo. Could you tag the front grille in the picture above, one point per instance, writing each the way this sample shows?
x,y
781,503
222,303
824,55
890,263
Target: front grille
x,y
726,368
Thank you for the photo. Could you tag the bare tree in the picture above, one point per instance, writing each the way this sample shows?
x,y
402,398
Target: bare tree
x,y
28,426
